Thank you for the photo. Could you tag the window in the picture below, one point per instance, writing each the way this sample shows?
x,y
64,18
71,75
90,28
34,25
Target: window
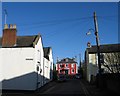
x,y
72,70
66,65
37,68
66,59
61,65
60,71
72,65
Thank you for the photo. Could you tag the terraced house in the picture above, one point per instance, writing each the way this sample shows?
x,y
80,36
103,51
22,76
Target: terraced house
x,y
22,60
109,58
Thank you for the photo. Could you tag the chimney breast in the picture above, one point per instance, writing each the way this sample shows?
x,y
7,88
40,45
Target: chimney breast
x,y
9,38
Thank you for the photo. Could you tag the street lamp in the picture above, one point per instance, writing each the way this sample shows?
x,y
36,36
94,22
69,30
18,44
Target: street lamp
x,y
97,41
98,47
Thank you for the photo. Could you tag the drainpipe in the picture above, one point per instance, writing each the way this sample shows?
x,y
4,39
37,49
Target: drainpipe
x,y
37,77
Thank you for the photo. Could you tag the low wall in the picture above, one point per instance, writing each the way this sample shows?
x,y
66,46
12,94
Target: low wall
x,y
109,81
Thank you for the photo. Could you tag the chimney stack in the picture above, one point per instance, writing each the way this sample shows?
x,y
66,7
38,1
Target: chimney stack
x,y
88,44
9,38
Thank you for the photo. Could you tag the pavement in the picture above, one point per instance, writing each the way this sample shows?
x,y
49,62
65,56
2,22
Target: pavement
x,y
94,91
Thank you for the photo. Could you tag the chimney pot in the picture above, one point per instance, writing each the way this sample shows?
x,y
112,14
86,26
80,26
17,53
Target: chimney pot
x,y
6,26
14,26
88,45
11,26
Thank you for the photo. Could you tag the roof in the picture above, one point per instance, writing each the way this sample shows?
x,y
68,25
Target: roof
x,y
105,48
46,52
24,41
67,60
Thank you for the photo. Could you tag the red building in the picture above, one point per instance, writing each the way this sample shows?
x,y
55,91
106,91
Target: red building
x,y
67,66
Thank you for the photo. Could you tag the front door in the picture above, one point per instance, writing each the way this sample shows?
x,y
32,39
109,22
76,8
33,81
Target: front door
x,y
66,72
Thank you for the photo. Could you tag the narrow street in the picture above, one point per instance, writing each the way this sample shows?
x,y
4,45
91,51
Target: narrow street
x,y
72,86
77,87
68,87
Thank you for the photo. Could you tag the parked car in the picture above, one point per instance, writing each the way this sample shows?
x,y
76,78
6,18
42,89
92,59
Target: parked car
x,y
61,77
78,76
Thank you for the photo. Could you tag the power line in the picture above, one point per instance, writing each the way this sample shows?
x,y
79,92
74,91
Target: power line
x,y
62,20
53,21
57,23
57,32
50,24
108,18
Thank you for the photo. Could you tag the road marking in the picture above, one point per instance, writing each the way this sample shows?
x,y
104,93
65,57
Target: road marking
x,y
84,89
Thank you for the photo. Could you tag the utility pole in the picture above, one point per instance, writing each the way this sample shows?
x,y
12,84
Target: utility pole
x,y
97,42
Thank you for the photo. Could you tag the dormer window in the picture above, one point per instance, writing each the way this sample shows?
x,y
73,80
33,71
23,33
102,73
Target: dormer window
x,y
66,59
61,65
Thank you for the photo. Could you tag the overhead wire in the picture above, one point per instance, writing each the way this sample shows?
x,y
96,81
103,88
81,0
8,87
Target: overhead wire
x,y
50,23
73,26
108,18
88,21
53,21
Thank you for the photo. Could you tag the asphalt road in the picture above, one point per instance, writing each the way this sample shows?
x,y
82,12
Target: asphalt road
x,y
69,87
72,87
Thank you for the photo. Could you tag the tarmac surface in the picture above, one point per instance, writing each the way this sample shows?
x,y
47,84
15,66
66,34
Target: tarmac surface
x,y
75,87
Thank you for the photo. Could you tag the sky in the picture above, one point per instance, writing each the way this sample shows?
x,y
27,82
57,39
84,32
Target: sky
x,y
63,25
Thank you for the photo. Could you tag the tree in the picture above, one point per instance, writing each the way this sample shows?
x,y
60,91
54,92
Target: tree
x,y
54,72
112,62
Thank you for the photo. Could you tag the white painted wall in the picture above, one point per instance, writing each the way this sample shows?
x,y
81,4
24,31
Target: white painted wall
x,y
92,67
18,68
51,64
39,58
1,77
76,68
46,70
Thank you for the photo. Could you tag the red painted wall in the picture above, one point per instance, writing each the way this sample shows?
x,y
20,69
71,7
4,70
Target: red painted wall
x,y
69,66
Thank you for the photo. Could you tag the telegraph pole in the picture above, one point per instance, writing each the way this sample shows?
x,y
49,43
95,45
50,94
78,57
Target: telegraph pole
x,y
97,42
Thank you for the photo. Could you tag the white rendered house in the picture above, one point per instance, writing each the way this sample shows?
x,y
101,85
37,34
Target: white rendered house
x,y
48,64
21,60
107,51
